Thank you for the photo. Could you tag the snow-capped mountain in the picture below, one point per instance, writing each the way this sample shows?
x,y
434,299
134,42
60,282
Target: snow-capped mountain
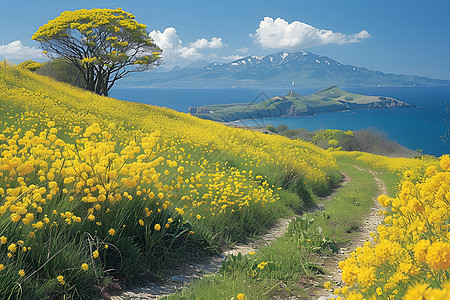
x,y
277,70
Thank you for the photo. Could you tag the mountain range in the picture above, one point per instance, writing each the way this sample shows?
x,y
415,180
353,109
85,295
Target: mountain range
x,y
293,104
279,70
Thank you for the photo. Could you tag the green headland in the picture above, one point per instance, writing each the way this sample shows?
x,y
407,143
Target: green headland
x,y
327,100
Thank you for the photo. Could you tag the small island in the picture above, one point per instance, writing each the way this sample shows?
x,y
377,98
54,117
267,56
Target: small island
x,y
327,100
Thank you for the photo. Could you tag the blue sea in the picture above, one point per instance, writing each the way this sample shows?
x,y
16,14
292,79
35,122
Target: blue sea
x,y
424,126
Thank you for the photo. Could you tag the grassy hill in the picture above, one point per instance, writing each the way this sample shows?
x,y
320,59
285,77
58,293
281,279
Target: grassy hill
x,y
293,104
95,188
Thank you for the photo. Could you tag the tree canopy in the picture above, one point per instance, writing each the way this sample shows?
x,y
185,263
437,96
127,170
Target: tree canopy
x,y
103,44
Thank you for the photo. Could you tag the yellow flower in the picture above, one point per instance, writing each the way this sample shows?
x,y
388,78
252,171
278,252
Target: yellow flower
x,y
12,248
327,285
38,225
379,291
3,240
60,278
418,291
141,222
85,266
95,254
157,227
445,162
2,266
198,217
438,255
22,273
112,232
240,296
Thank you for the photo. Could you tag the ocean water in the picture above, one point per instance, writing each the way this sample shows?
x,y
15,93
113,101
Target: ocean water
x,y
424,126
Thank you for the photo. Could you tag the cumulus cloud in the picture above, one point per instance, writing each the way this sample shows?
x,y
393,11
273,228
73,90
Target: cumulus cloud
x,y
280,34
203,43
231,57
172,46
17,52
243,50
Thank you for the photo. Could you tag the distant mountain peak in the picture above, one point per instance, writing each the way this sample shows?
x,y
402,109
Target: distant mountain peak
x,y
277,70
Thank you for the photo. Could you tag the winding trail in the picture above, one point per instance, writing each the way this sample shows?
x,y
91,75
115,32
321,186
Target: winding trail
x,y
186,273
371,221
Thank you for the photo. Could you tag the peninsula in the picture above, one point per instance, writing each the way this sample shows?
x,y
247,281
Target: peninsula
x,y
326,100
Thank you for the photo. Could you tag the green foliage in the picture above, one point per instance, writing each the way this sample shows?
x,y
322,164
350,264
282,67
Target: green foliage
x,y
271,128
282,128
332,138
308,234
64,71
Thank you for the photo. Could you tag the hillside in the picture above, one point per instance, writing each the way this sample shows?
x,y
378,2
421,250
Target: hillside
x,y
278,70
90,184
293,104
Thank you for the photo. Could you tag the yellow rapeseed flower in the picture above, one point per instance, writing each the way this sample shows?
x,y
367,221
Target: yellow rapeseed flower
x,y
240,296
84,266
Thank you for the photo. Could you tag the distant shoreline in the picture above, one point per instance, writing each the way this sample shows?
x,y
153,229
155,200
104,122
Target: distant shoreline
x,y
313,114
119,87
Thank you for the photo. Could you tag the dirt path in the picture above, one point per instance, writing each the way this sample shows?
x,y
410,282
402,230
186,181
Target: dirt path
x,y
186,273
371,221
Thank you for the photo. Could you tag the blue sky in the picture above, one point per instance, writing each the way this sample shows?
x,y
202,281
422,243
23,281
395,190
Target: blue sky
x,y
398,36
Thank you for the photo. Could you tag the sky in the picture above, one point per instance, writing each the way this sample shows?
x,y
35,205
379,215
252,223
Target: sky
x,y
392,36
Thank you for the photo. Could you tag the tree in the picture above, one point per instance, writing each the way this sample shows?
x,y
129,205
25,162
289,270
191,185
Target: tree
x,y
105,45
282,128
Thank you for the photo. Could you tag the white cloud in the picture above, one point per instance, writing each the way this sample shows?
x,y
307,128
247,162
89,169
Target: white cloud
x,y
280,34
232,57
17,52
243,50
172,46
203,43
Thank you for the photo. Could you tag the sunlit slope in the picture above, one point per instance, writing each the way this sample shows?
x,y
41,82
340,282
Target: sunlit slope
x,y
42,99
89,184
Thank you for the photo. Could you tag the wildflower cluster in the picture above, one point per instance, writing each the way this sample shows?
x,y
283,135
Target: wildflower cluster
x,y
410,258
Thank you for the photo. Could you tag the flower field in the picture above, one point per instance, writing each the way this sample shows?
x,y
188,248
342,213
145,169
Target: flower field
x,y
410,256
94,188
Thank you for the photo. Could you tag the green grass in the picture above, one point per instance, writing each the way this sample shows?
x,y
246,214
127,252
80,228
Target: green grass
x,y
342,214
391,180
